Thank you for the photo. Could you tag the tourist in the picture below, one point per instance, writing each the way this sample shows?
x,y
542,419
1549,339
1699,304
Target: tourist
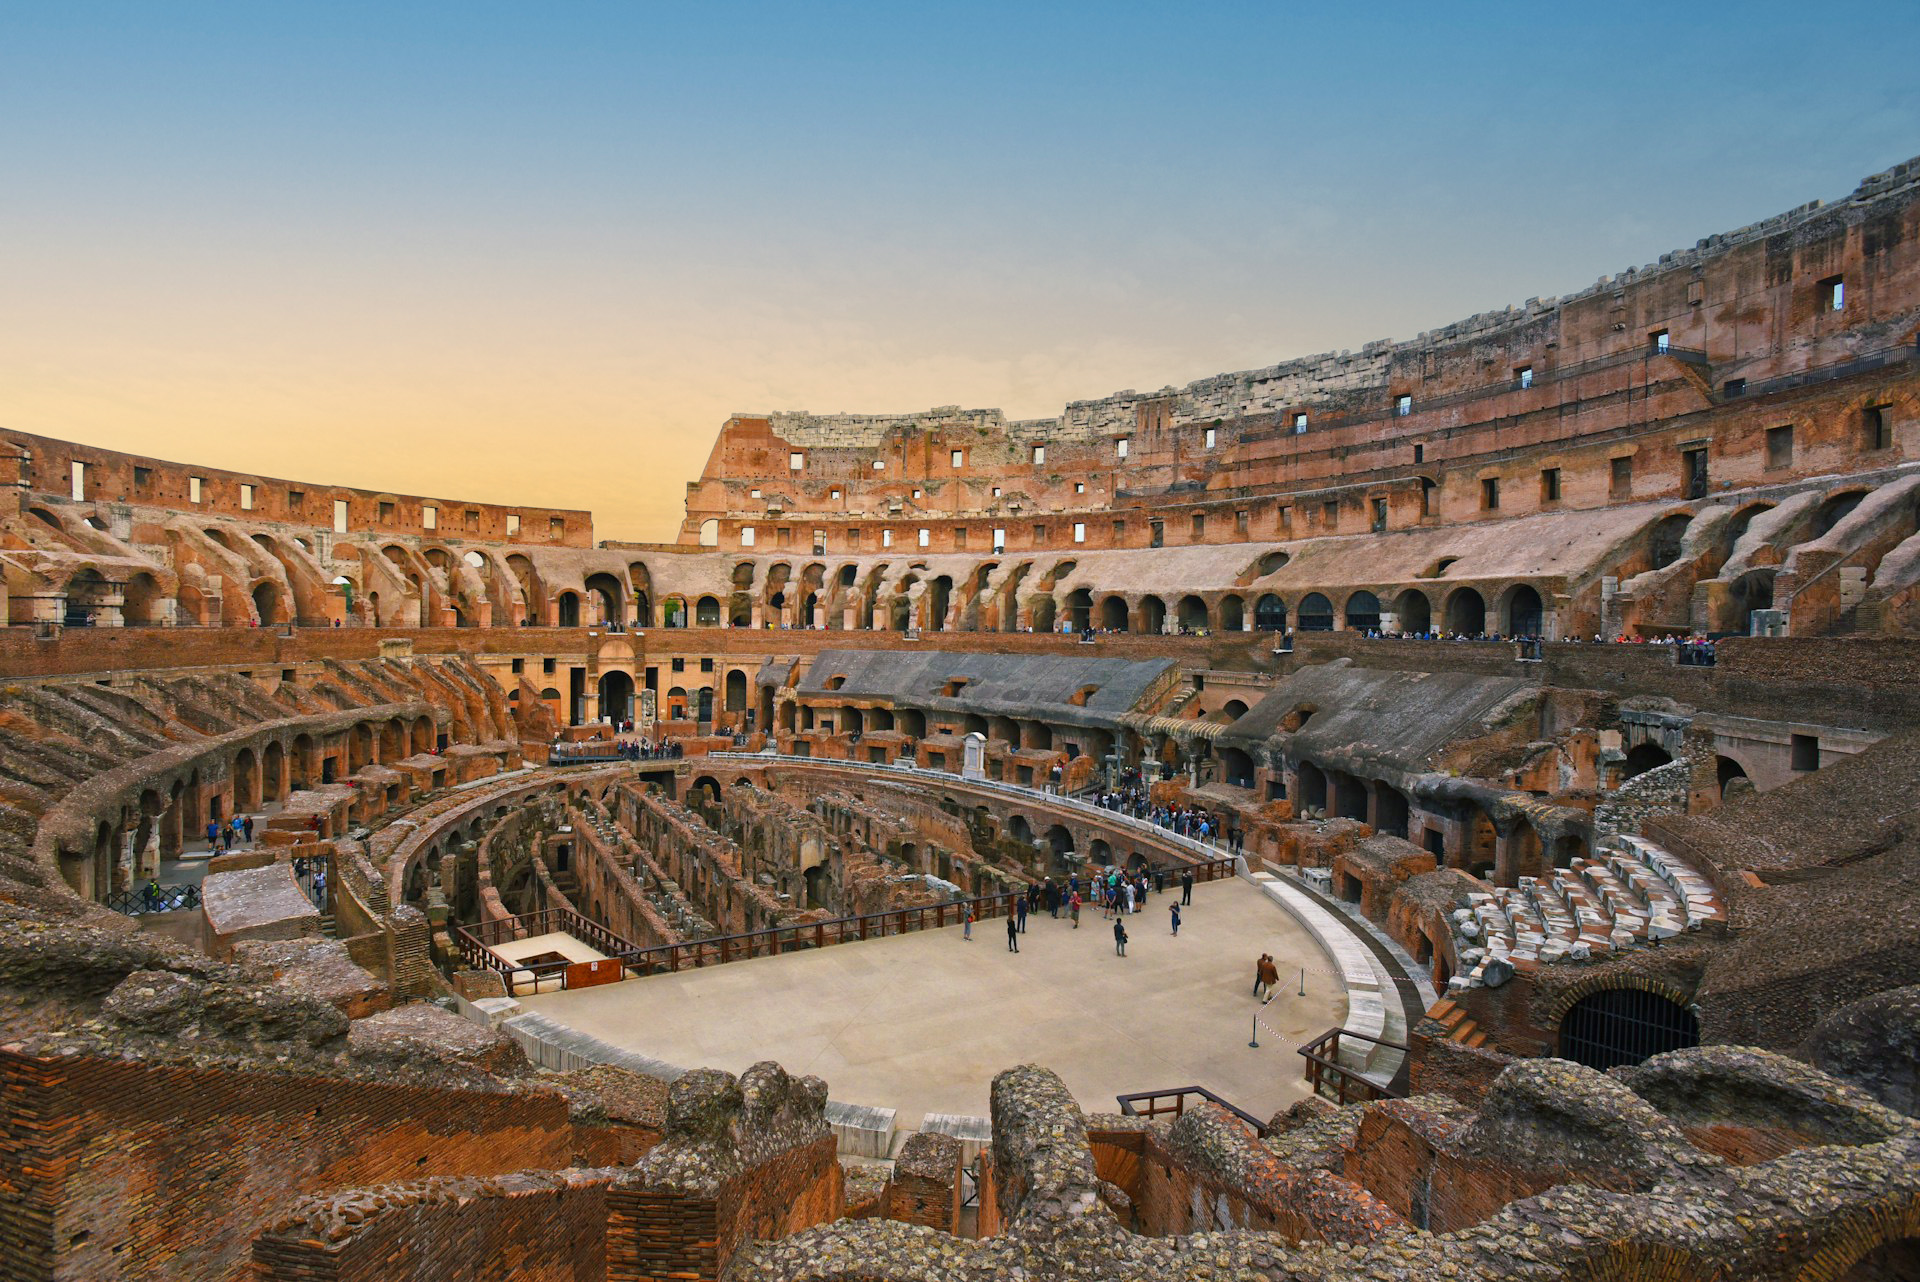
x,y
247,826
1175,910
1126,896
213,833
1013,932
152,894
1019,919
1186,886
1052,894
1260,976
1269,975
239,830
1119,938
966,931
1073,909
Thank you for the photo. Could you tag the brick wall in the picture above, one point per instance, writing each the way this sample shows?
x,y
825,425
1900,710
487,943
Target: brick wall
x,y
535,1226
661,1234
122,1170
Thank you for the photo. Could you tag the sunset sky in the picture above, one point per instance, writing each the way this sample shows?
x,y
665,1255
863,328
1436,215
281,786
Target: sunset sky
x,y
537,253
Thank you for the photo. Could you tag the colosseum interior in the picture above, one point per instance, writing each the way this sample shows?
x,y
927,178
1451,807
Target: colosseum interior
x,y
402,887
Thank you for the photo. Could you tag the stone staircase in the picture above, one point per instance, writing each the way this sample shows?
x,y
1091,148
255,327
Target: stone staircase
x,y
1630,894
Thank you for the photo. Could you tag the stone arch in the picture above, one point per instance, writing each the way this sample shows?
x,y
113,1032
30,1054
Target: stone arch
x,y
706,612
1080,609
140,604
1113,613
1835,509
1153,615
1270,614
1665,539
1043,614
611,594
569,609
1414,611
273,763
1522,613
246,780
736,691
1644,756
1233,613
1194,615
1236,767
1466,612
1315,613
1362,611
615,691
1018,829
1732,776
1622,1021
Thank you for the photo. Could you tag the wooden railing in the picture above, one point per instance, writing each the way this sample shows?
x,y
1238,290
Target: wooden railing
x,y
1173,1102
1324,1069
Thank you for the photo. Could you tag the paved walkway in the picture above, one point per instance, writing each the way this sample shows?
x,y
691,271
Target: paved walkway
x,y
922,1022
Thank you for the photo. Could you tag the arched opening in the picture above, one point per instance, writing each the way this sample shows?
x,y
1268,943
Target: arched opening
x,y
1751,593
736,691
1018,829
1233,614
1043,614
1567,847
1363,612
87,594
1153,615
939,601
1619,1026
611,596
1232,711
1391,809
1060,842
706,612
1643,757
1466,613
1733,777
1414,611
266,602
1270,614
1313,787
1193,613
1895,1261
140,608
1835,510
710,533
912,722
1080,609
704,704
273,761
569,609
246,781
1315,613
1525,614
1236,767
616,696
1113,614
1664,540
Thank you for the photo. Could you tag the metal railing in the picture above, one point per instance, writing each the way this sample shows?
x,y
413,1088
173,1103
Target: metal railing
x,y
1172,1102
1324,1068
1822,373
153,899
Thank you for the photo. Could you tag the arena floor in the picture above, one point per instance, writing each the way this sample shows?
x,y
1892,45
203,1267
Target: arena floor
x,y
921,1023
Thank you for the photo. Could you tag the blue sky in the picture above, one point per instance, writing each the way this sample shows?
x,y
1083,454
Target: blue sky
x,y
320,240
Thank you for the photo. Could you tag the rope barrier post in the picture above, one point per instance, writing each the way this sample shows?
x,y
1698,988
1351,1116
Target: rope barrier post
x,y
1303,981
1255,1043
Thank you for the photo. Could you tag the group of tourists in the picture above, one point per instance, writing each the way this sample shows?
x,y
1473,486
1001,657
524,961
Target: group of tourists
x,y
1118,894
223,837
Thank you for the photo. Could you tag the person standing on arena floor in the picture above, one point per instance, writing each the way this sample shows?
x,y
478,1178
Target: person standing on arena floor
x,y
1119,937
1013,934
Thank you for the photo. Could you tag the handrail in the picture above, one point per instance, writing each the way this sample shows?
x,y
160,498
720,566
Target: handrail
x,y
1323,1066
1178,1094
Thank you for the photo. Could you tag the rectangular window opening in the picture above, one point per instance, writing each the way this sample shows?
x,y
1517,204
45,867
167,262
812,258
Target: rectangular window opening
x,y
430,518
1833,294
1550,485
80,482
1524,376
513,524
339,516
1620,481
1879,427
1490,493
1660,341
1403,405
796,461
194,489
1780,446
